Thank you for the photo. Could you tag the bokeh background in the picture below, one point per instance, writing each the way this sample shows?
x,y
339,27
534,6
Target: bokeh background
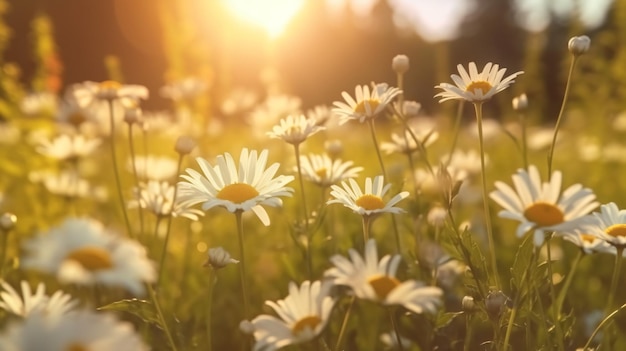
x,y
319,47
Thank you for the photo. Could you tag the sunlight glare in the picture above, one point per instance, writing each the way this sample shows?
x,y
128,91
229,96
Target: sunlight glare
x,y
272,15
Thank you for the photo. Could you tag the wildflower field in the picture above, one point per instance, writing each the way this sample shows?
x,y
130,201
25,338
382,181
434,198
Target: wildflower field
x,y
255,221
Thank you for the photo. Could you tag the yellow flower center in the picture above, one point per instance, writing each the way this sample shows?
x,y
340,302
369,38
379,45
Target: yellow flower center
x,y
321,172
110,84
544,214
370,202
481,85
76,347
616,230
91,258
360,107
307,322
383,284
588,238
237,192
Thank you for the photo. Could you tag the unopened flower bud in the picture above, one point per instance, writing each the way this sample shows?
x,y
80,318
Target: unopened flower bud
x,y
495,304
520,103
133,115
579,45
184,145
400,64
437,216
411,108
7,221
219,258
468,304
334,148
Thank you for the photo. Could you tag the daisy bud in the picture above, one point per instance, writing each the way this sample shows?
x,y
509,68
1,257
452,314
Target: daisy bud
x,y
468,304
520,103
411,108
579,45
400,64
184,145
7,221
334,148
495,304
219,258
437,216
132,115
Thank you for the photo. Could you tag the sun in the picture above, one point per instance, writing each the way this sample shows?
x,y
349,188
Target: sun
x,y
272,15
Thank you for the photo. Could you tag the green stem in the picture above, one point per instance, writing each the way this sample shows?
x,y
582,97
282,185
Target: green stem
x,y
169,224
478,106
604,321
367,224
457,130
242,261
555,317
509,327
344,324
468,332
118,182
395,329
212,280
522,121
615,279
568,281
309,237
560,117
160,316
131,146
382,167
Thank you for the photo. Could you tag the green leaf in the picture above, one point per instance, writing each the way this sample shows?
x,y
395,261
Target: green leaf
x,y
140,308
522,266
443,319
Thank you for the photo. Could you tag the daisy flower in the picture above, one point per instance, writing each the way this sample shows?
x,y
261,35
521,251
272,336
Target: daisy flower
x,y
324,171
28,302
367,104
406,144
303,315
68,147
589,243
609,224
67,184
476,87
244,187
81,251
76,330
184,89
294,130
540,206
87,92
375,280
158,197
152,167
39,103
368,202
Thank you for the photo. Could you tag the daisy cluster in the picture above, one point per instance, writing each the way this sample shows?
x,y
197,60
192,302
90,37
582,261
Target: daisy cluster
x,y
118,221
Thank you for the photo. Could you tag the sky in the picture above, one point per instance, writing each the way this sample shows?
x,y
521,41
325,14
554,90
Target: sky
x,y
439,20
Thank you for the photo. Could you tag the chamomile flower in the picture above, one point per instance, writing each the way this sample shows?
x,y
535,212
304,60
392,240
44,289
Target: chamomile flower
x,y
28,302
158,197
244,187
375,280
406,144
323,171
541,206
368,202
82,251
76,330
589,243
68,147
609,224
476,87
87,92
303,314
367,104
184,89
67,184
295,129
152,167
